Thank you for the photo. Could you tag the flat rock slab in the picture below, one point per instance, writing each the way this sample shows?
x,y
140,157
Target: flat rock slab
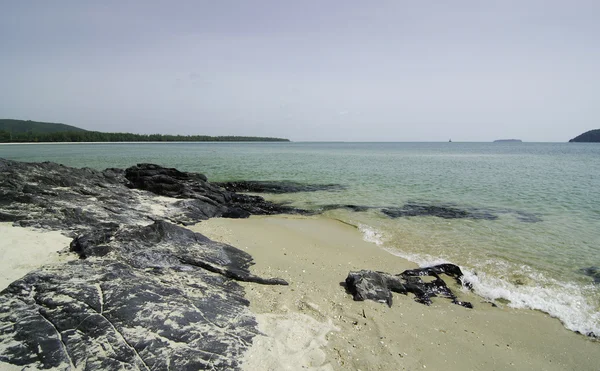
x,y
159,297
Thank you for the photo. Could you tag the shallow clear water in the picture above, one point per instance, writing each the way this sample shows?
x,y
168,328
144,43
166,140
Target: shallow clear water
x,y
530,264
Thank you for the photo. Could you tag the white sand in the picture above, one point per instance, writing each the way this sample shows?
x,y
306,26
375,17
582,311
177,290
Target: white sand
x,y
314,324
25,249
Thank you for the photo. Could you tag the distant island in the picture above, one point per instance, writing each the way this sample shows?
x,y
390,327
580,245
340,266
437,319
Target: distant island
x,y
508,140
25,131
588,136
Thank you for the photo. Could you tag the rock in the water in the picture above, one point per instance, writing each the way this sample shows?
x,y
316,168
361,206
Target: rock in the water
x,y
593,272
378,286
355,208
159,297
441,211
277,187
448,211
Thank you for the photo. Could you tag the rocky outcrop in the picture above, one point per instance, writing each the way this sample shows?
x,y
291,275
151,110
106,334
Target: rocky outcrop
x,y
145,297
378,286
52,196
146,293
278,187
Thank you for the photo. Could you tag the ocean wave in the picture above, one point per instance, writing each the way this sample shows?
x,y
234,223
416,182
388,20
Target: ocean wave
x,y
567,302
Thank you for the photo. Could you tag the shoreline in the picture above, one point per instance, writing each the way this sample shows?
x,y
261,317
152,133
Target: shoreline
x,y
314,323
144,142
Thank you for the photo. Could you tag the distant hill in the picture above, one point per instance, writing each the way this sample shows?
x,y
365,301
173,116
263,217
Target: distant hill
x,y
24,126
588,136
21,131
508,140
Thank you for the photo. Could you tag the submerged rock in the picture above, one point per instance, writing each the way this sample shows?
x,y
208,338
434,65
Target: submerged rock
x,y
440,211
448,211
156,297
378,286
277,187
593,272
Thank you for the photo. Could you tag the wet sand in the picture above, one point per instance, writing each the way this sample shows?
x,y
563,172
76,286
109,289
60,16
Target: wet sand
x,y
314,324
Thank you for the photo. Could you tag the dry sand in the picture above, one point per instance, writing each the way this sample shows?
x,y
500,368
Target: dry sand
x,y
25,249
313,324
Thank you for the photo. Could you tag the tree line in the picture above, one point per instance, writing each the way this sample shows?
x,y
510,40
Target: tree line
x,y
96,136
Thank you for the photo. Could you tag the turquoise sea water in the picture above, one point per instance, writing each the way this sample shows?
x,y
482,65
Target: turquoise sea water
x,y
531,264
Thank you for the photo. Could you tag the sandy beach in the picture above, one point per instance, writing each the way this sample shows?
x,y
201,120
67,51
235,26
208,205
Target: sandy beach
x,y
314,324
25,249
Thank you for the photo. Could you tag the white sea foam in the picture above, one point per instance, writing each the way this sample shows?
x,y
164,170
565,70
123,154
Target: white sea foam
x,y
566,301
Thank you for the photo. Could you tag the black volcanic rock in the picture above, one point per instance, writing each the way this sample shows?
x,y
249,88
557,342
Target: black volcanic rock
x,y
378,286
53,196
588,136
277,187
161,297
146,294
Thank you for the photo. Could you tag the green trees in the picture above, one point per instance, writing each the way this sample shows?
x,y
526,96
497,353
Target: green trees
x,y
96,136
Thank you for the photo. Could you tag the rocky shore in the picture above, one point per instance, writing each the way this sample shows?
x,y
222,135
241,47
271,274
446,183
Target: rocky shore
x,y
145,292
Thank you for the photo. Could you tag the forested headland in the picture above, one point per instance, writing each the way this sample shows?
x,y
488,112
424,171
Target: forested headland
x,y
20,131
588,136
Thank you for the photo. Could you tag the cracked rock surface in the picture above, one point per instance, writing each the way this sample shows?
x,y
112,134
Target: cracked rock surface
x,y
52,196
161,297
146,294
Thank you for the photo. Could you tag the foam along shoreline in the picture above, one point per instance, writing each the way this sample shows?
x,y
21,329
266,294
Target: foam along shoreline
x,y
314,324
23,250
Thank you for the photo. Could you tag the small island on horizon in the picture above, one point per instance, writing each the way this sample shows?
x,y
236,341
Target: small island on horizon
x,y
27,131
508,140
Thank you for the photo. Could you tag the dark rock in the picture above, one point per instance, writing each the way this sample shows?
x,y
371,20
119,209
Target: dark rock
x,y
211,200
163,297
355,208
440,211
277,187
593,272
449,211
378,286
52,196
146,294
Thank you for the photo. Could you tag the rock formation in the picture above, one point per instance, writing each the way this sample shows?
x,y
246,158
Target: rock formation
x,y
146,293
378,286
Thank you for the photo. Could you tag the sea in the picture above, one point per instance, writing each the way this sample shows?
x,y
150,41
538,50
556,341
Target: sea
x,y
536,246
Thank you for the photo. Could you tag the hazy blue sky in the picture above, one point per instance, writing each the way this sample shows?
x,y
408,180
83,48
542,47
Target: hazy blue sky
x,y
306,70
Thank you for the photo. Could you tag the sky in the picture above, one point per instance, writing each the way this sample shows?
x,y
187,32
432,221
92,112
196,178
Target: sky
x,y
306,70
